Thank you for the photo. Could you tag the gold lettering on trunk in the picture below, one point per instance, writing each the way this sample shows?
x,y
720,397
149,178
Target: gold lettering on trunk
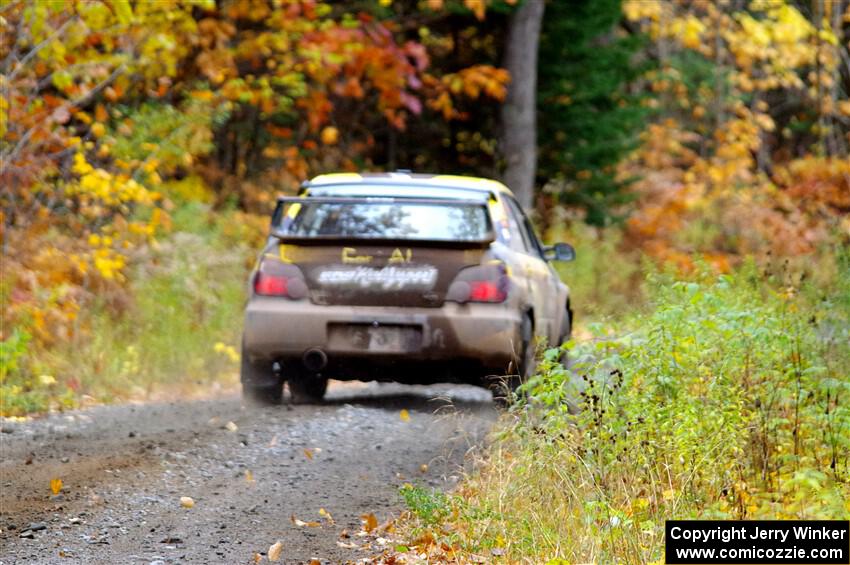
x,y
349,255
399,257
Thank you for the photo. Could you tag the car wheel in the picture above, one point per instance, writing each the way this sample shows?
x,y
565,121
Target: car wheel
x,y
259,383
528,362
306,388
262,394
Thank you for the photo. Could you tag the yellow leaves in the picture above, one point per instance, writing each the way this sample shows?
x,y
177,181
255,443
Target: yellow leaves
x,y
98,130
55,486
46,380
249,476
635,10
688,31
404,415
326,515
108,263
227,351
81,166
187,502
764,121
275,551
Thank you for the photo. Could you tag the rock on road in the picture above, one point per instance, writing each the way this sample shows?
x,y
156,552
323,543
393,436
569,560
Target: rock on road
x,y
125,468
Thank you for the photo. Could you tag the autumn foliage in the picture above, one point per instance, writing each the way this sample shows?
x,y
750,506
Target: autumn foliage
x,y
748,152
128,127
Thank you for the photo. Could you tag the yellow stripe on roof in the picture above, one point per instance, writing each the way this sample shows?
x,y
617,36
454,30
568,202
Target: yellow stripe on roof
x,y
337,177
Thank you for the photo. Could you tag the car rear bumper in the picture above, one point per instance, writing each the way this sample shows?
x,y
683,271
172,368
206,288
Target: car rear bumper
x,y
484,335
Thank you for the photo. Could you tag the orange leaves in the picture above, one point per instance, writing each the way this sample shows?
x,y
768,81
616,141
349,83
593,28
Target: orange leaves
x,y
471,83
317,107
303,524
330,135
55,486
369,522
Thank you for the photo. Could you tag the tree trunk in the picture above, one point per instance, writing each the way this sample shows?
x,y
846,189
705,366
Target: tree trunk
x,y
519,122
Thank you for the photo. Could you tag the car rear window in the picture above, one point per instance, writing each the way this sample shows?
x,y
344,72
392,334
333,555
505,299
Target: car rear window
x,y
391,220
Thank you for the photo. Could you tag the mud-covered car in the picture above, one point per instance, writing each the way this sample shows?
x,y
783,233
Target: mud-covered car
x,y
399,277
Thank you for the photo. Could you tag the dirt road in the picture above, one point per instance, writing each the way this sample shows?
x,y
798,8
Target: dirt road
x,y
248,470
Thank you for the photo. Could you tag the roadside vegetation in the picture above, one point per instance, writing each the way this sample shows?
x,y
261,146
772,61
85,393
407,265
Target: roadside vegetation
x,y
169,328
726,397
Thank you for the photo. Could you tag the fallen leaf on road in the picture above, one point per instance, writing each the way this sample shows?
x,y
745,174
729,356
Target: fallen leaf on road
x,y
404,415
55,485
302,523
423,468
370,522
314,561
249,476
231,427
308,453
344,545
274,551
257,557
326,515
187,502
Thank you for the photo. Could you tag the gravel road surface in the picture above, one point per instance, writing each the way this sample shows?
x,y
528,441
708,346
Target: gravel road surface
x,y
248,470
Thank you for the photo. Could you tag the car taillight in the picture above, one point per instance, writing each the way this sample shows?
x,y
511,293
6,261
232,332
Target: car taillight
x,y
270,285
482,283
486,291
274,278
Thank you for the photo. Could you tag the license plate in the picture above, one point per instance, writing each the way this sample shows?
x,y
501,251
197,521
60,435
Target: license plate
x,y
378,339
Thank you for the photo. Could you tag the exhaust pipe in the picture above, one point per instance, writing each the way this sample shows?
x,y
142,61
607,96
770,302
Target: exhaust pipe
x,y
314,360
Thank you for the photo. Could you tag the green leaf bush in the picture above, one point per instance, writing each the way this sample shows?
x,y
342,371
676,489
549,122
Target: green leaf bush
x,y
729,399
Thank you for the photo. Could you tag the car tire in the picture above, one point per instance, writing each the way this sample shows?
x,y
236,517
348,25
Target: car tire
x,y
306,388
260,385
262,395
504,389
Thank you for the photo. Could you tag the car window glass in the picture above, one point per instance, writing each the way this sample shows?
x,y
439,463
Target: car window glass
x,y
518,227
537,246
391,220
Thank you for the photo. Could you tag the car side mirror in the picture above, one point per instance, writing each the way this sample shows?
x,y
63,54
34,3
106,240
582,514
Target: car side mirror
x,y
560,252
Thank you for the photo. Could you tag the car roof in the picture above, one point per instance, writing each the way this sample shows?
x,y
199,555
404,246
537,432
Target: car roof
x,y
403,183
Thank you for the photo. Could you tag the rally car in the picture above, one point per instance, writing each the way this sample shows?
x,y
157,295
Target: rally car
x,y
400,277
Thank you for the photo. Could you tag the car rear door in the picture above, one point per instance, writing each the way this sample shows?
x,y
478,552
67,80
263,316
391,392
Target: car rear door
x,y
541,278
